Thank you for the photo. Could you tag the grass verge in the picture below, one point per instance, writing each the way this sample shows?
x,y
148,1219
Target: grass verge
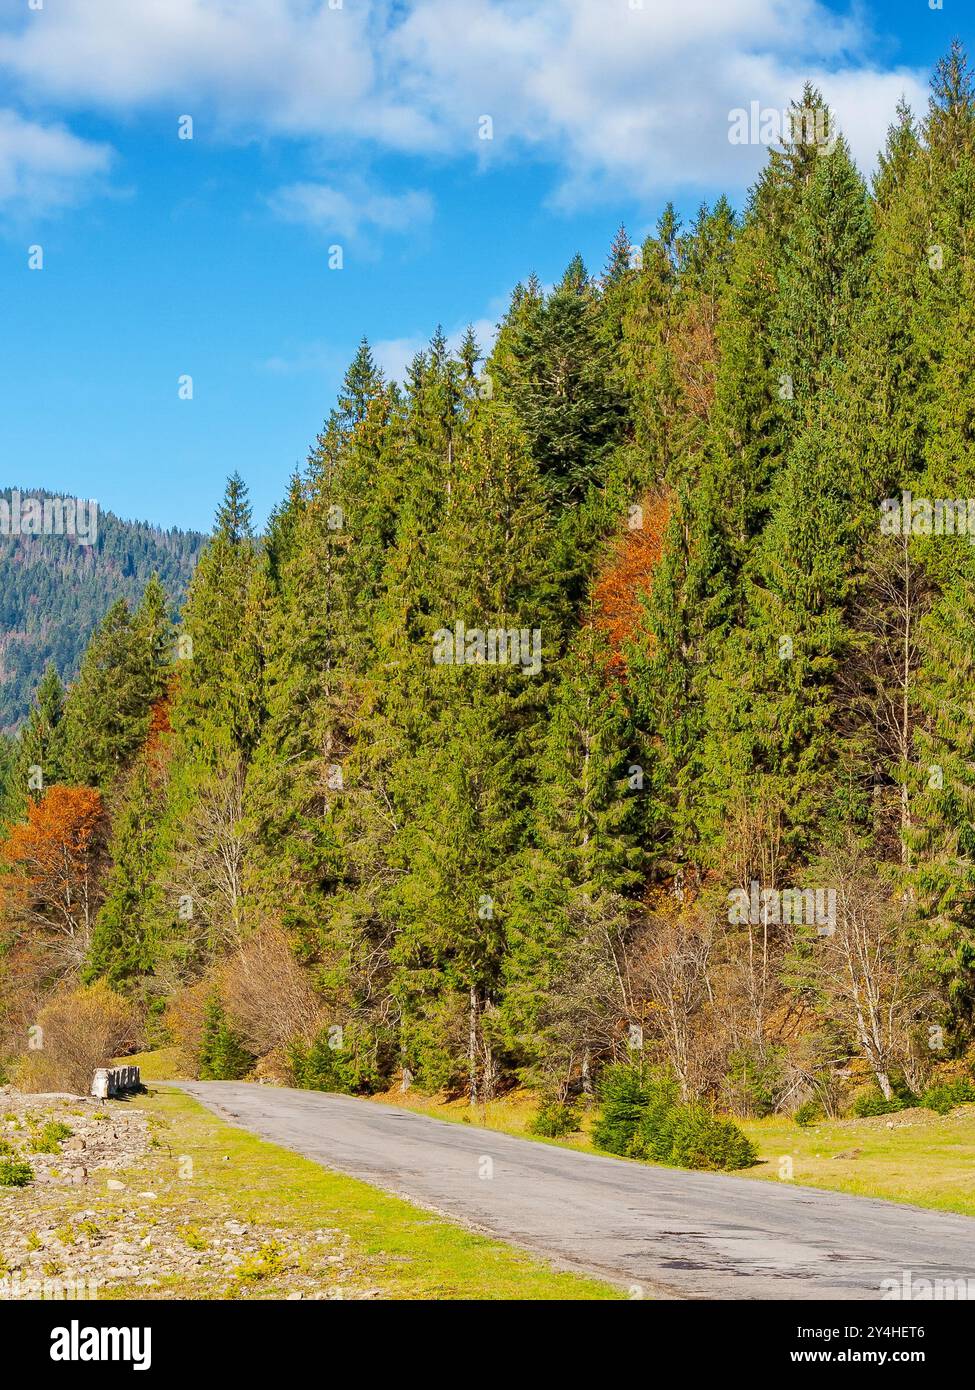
x,y
397,1250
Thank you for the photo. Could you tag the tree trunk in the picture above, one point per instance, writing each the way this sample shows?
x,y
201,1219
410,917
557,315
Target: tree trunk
x,y
586,1072
472,1048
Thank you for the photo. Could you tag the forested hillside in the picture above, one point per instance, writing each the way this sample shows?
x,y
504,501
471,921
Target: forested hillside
x,y
557,679
55,589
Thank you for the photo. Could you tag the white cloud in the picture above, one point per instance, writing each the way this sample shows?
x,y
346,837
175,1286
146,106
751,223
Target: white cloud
x,y
638,99
44,167
866,111
394,355
295,67
617,96
350,210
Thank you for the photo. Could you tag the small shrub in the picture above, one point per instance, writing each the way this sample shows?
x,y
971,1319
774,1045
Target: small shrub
x,y
875,1103
553,1119
48,1141
83,1030
701,1140
268,1262
349,1068
653,1139
193,1237
223,1056
14,1172
807,1113
624,1097
951,1093
643,1117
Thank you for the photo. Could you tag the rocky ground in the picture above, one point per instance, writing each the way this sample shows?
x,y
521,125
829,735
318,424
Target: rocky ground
x,y
108,1213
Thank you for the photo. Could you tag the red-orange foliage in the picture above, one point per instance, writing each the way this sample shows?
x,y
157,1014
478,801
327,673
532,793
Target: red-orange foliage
x,y
617,593
159,720
159,726
54,863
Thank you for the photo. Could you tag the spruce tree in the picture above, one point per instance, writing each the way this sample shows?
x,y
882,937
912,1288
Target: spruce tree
x,y
217,709
560,383
122,946
41,740
582,869
106,715
941,837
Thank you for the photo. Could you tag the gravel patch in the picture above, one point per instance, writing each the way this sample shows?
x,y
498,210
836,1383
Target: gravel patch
x,y
106,1214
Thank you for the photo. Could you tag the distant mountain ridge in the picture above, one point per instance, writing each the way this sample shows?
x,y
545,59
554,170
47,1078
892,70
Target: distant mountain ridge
x,y
55,588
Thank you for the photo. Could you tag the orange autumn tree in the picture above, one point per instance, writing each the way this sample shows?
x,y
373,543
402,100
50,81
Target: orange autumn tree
x,y
53,862
636,556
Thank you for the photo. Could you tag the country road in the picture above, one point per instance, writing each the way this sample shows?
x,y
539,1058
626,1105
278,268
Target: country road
x,y
669,1232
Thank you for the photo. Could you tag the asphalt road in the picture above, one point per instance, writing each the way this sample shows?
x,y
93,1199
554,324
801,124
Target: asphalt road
x,y
662,1231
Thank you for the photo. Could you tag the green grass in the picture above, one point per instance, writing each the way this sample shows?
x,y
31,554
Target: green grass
x,y
162,1064
398,1248
925,1159
511,1114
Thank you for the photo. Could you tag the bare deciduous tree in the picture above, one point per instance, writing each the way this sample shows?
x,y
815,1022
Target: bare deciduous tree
x,y
671,968
268,994
865,969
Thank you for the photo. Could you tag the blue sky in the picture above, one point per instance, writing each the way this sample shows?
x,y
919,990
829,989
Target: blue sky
x,y
340,122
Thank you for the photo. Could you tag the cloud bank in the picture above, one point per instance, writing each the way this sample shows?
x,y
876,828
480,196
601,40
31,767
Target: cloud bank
x,y
617,96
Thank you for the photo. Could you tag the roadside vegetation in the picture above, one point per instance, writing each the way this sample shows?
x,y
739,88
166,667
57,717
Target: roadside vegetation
x,y
208,1211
